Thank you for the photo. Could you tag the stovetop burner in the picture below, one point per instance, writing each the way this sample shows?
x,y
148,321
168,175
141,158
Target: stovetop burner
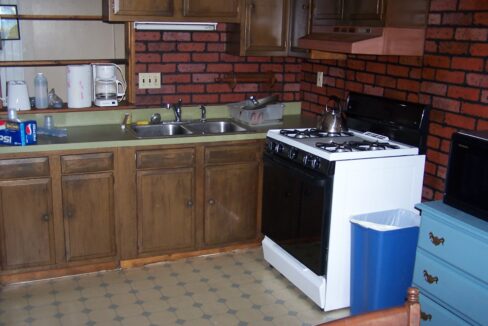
x,y
312,133
351,146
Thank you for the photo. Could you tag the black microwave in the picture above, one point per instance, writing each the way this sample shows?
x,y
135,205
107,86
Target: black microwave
x,y
467,173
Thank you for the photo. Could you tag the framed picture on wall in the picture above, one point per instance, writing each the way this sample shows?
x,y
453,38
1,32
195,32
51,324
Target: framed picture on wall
x,y
9,27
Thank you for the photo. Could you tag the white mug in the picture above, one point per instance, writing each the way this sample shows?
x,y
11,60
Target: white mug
x,y
17,95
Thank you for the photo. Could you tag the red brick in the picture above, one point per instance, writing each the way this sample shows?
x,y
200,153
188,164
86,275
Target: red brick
x,y
204,78
457,48
434,19
439,194
437,115
173,98
473,5
460,121
165,68
433,142
139,68
415,73
176,36
469,64
234,97
246,67
471,34
164,89
484,96
205,57
161,47
449,76
443,5
408,85
427,194
176,57
437,157
428,73
218,88
386,81
191,47
439,33
431,46
216,47
205,98
475,109
430,168
365,78
482,125
481,18
356,64
289,87
350,75
445,104
436,61
395,94
205,37
355,87
479,49
178,78
477,80
457,18
268,67
372,90
434,182
441,131
246,88
413,97
378,68
411,61
396,70
140,47
148,57
148,36
146,100
191,67
465,93
434,88
293,67
441,172
219,67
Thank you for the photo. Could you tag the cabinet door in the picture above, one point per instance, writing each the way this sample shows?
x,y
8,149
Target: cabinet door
x,y
165,210
88,208
364,12
300,26
27,232
230,203
327,12
143,7
266,27
219,10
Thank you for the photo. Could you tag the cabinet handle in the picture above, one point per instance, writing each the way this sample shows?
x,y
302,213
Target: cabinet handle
x,y
305,6
45,217
211,201
189,204
429,278
436,240
425,316
69,214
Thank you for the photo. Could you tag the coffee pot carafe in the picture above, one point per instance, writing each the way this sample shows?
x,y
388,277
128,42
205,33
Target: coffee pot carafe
x,y
107,89
333,118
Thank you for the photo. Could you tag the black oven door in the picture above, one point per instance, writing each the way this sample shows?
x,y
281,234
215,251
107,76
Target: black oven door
x,y
296,211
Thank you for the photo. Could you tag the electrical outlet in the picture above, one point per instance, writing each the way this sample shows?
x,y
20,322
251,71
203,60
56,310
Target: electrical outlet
x,y
149,80
320,79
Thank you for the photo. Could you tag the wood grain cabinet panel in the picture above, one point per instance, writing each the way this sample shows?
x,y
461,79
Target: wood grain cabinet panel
x,y
24,168
327,13
27,232
165,158
88,209
230,203
83,163
227,10
131,8
365,12
300,13
165,210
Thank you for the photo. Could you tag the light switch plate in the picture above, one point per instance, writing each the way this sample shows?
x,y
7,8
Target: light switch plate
x,y
320,79
149,80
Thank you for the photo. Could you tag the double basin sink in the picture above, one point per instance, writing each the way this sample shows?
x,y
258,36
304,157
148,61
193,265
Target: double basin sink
x,y
211,127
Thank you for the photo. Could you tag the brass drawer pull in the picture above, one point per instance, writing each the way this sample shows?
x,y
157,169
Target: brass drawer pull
x,y
189,204
425,316
211,202
45,217
429,278
436,240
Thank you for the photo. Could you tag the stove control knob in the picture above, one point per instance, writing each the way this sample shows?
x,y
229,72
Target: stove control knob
x,y
292,153
315,163
278,148
270,146
306,159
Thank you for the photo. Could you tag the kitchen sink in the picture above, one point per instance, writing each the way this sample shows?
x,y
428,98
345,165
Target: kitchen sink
x,y
215,127
159,130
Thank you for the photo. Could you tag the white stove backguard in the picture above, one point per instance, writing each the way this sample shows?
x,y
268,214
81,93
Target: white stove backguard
x,y
360,186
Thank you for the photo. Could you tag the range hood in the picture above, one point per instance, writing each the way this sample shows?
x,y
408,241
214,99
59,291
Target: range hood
x,y
366,40
174,26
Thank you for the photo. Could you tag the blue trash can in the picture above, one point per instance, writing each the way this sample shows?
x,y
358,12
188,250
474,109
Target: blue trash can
x,y
383,248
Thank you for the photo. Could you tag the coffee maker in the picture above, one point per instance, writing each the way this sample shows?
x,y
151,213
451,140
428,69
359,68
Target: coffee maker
x,y
107,89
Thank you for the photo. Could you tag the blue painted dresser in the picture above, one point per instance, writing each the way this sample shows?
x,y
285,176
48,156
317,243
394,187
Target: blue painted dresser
x,y
451,266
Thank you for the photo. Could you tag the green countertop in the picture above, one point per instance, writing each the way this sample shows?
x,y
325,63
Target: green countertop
x,y
103,130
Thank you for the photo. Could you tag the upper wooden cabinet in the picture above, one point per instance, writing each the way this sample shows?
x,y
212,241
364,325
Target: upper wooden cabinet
x,y
365,12
300,15
327,12
171,10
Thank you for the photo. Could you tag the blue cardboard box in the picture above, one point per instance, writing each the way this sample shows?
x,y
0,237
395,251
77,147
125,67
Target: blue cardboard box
x,y
18,133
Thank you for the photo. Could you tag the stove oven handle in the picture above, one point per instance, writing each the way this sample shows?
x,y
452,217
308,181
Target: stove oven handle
x,y
312,178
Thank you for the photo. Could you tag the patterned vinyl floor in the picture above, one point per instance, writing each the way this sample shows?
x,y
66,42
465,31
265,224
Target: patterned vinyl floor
x,y
237,288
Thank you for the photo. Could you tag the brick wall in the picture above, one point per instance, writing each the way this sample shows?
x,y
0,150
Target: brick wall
x,y
190,63
451,77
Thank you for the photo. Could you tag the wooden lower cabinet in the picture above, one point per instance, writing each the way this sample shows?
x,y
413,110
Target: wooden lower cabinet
x,y
230,203
165,210
88,209
27,232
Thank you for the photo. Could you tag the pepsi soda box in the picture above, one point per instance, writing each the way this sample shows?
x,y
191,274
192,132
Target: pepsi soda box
x,y
18,133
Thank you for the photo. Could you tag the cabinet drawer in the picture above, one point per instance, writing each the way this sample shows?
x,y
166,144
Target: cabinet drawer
x,y
455,245
432,314
464,294
24,168
165,158
81,163
234,153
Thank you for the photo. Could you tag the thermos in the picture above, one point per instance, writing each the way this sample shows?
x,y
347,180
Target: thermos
x,y
40,91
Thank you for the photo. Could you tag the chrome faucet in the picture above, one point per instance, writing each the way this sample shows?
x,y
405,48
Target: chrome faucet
x,y
203,116
176,109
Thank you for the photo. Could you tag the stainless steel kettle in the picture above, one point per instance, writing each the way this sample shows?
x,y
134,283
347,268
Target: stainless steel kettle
x,y
333,119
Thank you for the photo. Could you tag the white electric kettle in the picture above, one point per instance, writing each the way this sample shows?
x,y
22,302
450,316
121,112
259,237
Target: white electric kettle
x,y
17,95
